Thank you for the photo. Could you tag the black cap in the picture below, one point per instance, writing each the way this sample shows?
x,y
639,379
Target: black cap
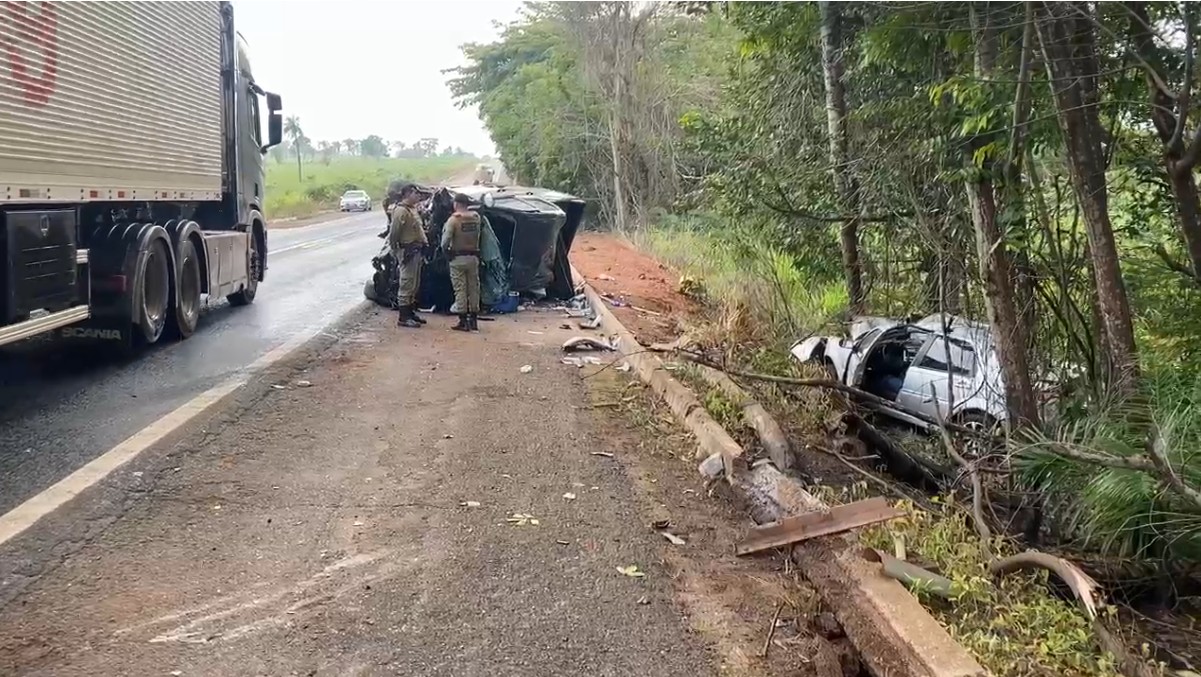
x,y
401,188
461,199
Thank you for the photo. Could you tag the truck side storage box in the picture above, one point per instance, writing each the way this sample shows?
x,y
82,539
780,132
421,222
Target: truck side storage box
x,y
41,262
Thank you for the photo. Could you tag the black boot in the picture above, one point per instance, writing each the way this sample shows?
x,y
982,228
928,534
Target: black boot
x,y
464,323
419,319
405,318
473,321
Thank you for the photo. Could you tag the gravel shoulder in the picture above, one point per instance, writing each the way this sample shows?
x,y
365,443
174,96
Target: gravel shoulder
x,y
355,520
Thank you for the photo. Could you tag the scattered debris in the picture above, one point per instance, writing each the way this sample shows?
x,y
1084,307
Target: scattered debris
x,y
569,496
581,361
577,343
631,571
606,278
795,529
602,453
672,538
713,466
912,575
594,323
279,387
578,485
563,542
520,519
646,311
527,369
576,312
448,436
469,504
661,524
644,600
357,523
138,473
535,333
623,367
304,384
565,325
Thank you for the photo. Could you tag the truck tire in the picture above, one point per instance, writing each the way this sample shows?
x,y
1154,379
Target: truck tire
x,y
245,296
154,294
186,313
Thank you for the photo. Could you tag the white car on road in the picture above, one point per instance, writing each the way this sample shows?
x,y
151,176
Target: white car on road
x,y
355,201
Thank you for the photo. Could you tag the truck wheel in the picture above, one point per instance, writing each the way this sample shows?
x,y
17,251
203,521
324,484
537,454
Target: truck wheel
x,y
187,308
155,295
245,297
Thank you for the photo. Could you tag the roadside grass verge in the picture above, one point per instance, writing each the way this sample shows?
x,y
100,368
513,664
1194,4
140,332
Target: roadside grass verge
x,y
758,302
289,195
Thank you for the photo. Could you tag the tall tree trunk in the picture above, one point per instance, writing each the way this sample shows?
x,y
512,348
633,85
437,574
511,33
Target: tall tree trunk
x,y
1169,114
1009,330
1188,209
616,119
840,168
1070,53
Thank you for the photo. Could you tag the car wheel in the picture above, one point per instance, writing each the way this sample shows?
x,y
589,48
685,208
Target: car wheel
x,y
987,430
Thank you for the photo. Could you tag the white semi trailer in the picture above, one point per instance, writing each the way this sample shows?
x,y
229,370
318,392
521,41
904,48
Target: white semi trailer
x,y
132,141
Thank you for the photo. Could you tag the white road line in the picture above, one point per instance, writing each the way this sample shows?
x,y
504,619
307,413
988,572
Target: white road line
x,y
309,244
20,518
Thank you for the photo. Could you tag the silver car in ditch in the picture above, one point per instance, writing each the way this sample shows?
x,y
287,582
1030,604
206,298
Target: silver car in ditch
x,y
945,371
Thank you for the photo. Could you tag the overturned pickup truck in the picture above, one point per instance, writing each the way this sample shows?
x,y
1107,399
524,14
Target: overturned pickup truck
x,y
524,246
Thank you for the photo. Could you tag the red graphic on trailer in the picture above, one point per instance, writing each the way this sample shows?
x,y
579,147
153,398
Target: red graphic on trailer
x,y
30,33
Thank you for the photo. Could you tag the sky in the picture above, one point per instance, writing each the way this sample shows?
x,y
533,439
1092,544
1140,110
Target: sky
x,y
353,68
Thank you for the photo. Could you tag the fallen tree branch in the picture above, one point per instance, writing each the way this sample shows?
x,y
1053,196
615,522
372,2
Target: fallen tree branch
x,y
977,490
1085,590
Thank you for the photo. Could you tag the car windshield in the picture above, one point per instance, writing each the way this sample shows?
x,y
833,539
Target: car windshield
x,y
355,194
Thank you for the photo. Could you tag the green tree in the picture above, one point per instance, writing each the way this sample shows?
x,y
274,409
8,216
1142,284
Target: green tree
x,y
296,135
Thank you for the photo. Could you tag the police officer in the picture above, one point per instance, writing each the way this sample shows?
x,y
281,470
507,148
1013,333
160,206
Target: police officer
x,y
407,240
461,242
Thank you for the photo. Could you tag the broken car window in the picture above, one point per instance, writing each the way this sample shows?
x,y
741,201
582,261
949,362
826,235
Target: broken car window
x,y
963,358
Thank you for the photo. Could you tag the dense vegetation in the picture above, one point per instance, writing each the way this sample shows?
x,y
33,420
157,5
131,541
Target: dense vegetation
x,y
304,178
1031,165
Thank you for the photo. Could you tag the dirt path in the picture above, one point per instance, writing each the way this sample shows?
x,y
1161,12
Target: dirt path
x,y
359,525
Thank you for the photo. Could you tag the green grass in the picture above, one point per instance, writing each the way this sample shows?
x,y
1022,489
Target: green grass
x,y
323,184
758,288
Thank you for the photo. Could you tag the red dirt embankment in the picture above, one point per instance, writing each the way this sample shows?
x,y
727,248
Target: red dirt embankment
x,y
646,291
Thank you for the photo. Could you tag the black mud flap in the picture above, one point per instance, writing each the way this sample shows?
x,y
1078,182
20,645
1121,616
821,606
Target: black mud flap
x,y
100,333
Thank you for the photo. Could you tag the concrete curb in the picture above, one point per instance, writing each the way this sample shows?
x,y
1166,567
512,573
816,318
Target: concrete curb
x,y
893,633
771,436
711,437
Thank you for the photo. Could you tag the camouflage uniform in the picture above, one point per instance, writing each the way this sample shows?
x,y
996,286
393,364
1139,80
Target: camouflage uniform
x,y
407,240
461,242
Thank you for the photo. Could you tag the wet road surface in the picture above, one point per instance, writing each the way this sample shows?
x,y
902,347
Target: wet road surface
x,y
60,409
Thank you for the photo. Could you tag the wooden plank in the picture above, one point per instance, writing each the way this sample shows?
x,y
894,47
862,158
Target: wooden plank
x,y
799,528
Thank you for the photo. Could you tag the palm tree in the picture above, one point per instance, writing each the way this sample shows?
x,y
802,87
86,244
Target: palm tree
x,y
296,134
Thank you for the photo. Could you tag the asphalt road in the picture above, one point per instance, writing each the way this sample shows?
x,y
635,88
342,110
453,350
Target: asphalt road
x,y
60,409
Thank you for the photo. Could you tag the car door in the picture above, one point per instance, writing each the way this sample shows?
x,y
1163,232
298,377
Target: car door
x,y
857,356
943,372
